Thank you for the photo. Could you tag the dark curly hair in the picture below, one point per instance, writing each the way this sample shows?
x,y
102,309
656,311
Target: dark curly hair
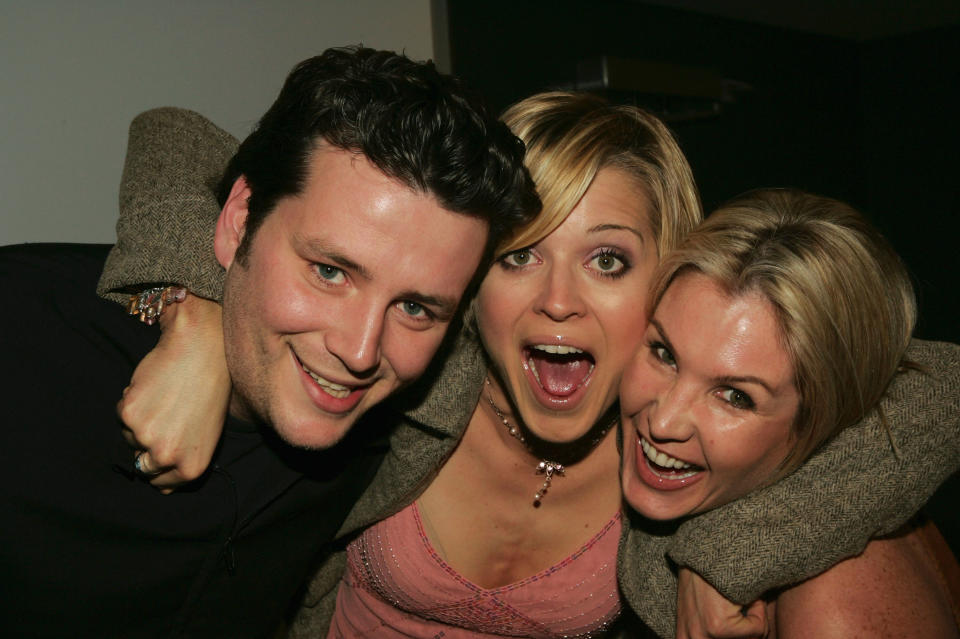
x,y
415,124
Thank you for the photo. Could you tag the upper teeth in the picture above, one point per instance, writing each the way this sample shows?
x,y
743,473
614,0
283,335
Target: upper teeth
x,y
660,458
556,349
335,390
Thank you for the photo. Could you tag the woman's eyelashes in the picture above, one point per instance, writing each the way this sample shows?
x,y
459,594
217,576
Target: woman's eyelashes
x,y
610,262
604,262
518,259
737,398
662,354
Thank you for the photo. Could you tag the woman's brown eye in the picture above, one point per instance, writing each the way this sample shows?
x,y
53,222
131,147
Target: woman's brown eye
x,y
520,257
737,398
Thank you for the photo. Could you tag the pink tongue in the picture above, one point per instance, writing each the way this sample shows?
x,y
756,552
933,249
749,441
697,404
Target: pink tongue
x,y
561,375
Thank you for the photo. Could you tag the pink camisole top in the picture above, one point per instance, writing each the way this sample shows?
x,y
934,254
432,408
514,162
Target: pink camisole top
x,y
396,585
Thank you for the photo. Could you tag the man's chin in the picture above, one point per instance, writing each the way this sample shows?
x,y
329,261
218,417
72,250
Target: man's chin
x,y
314,434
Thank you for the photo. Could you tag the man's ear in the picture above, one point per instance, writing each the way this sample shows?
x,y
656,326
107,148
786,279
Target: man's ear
x,y
232,223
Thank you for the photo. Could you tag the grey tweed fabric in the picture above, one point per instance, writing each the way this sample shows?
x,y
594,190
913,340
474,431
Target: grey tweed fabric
x,y
168,205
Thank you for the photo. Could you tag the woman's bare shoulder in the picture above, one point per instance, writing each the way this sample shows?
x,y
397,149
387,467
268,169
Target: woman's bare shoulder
x,y
893,589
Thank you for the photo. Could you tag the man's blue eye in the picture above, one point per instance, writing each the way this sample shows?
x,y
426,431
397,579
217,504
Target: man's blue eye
x,y
413,309
329,273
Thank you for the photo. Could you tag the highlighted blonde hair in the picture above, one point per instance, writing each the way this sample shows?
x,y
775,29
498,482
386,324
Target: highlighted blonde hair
x,y
570,137
842,298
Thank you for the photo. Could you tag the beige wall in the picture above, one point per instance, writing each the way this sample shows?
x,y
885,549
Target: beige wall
x,y
73,75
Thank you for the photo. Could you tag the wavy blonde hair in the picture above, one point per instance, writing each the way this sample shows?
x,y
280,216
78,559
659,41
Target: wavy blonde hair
x,y
570,137
842,297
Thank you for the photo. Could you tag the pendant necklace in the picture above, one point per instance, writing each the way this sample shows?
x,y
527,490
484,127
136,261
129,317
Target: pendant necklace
x,y
546,467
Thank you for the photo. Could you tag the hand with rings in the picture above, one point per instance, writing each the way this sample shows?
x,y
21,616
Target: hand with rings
x,y
174,408
141,466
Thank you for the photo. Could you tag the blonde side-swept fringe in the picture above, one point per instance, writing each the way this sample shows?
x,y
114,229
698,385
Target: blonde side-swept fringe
x,y
570,137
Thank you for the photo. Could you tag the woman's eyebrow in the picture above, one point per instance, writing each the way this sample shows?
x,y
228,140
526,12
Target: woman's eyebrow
x,y
616,227
662,334
744,379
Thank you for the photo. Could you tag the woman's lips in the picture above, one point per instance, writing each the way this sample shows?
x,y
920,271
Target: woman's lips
x,y
559,370
661,471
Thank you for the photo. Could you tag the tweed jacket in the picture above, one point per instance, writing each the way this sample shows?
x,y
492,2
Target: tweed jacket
x,y
865,482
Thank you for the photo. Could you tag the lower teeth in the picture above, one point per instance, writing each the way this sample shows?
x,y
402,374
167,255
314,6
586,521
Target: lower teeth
x,y
669,473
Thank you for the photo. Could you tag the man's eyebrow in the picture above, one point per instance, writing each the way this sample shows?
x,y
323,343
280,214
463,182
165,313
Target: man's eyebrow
x,y
616,227
320,249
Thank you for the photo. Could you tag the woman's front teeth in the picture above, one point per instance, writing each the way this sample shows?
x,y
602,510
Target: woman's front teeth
x,y
660,458
557,349
332,389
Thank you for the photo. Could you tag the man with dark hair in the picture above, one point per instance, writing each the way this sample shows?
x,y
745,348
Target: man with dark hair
x,y
353,220
413,124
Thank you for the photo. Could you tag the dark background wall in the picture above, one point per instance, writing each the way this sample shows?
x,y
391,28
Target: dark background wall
x,y
870,122
870,119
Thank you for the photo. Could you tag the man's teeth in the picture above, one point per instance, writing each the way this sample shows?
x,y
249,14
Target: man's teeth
x,y
663,460
334,390
557,349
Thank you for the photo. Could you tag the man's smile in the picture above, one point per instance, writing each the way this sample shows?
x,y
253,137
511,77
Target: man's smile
x,y
333,389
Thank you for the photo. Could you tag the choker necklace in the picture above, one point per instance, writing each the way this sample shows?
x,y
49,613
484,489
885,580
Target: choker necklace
x,y
545,467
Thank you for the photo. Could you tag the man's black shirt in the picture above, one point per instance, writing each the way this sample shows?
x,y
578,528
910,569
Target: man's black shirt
x,y
87,548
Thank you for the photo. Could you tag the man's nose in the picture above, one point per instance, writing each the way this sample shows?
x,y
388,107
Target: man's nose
x,y
560,298
357,338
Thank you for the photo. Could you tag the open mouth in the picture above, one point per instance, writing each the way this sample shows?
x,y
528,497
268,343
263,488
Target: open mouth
x,y
665,466
559,370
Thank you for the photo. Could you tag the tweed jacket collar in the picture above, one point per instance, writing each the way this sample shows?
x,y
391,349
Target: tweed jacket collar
x,y
445,398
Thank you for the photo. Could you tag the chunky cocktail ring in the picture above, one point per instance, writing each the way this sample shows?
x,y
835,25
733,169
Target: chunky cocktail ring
x,y
150,303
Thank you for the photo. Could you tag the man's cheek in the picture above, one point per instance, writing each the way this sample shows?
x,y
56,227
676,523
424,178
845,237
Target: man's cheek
x,y
289,311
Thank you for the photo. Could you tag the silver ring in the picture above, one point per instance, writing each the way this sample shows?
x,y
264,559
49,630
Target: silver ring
x,y
138,465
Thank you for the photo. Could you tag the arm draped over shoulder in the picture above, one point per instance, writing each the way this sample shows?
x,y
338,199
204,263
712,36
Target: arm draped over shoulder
x,y
168,206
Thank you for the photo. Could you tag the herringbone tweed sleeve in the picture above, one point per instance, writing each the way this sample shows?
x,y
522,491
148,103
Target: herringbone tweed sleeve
x,y
168,206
